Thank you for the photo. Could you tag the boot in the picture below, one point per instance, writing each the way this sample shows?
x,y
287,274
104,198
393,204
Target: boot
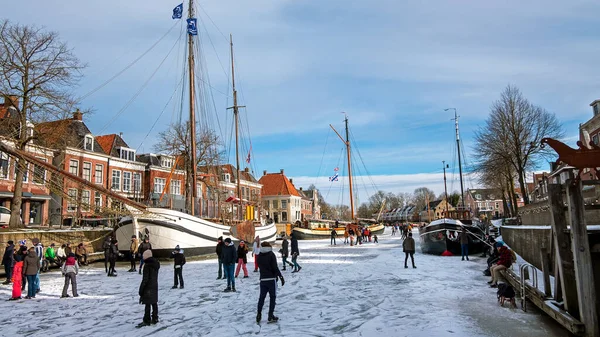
x,y
174,287
140,271
154,320
405,266
272,318
258,317
144,323
227,290
233,289
415,267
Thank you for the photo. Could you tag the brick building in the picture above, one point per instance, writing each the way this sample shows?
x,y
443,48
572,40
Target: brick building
x,y
280,199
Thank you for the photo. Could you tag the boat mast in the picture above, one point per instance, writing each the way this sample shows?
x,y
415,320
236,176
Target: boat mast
x,y
235,108
192,111
445,186
347,142
462,193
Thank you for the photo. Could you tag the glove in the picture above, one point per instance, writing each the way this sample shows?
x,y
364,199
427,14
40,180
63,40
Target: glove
x,y
282,280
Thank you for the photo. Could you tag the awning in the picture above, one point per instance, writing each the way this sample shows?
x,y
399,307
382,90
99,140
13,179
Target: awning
x,y
26,195
233,200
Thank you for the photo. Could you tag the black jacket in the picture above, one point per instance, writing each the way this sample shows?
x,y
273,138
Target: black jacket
x,y
179,258
284,248
219,249
295,246
113,252
7,259
242,252
144,246
106,246
267,264
149,287
229,254
333,233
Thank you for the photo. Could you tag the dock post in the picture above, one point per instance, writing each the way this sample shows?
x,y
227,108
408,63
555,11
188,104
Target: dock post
x,y
546,271
564,255
582,258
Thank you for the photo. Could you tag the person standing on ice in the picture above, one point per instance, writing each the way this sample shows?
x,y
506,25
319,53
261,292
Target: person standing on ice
x,y
295,254
149,288
464,243
112,257
285,252
346,237
133,249
39,251
409,249
144,246
179,261
269,273
31,268
70,269
256,251
333,236
8,260
242,252
229,257
219,251
18,273
106,248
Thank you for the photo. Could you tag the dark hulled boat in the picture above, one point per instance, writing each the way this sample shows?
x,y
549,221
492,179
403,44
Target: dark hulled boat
x,y
441,235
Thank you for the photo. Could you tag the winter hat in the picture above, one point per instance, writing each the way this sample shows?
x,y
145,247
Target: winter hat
x,y
220,238
52,244
177,248
242,243
228,240
70,260
35,241
147,254
22,242
133,236
499,244
265,244
10,242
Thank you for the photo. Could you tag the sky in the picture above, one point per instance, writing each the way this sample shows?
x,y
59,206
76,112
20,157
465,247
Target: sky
x,y
391,66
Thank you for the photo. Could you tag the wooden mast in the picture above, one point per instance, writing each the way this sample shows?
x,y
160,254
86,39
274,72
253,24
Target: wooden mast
x,y
347,142
192,112
462,193
445,186
235,108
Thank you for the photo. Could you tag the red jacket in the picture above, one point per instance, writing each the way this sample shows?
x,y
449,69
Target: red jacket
x,y
505,257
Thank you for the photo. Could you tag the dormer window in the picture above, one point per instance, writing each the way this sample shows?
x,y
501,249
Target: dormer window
x,y
595,109
127,154
88,143
226,177
478,196
166,162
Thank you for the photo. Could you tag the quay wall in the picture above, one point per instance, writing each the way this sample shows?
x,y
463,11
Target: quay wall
x,y
91,238
528,241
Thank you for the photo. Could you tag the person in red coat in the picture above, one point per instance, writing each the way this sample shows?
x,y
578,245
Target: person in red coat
x,y
504,262
17,278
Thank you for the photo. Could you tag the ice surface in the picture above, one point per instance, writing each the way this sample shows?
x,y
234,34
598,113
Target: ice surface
x,y
341,290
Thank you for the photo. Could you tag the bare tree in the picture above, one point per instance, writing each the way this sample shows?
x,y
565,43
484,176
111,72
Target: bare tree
x,y
175,140
513,131
422,196
37,73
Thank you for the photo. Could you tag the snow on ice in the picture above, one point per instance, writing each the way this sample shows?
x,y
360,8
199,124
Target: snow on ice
x,y
341,290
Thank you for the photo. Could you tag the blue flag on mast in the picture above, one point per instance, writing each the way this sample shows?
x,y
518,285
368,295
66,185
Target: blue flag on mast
x,y
192,29
178,11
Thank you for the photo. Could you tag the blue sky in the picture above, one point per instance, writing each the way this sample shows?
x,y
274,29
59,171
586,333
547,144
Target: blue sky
x,y
392,66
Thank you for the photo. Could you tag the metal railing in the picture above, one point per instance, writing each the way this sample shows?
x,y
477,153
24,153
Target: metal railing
x,y
534,282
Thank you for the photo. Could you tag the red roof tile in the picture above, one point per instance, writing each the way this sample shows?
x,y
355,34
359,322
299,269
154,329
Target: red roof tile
x,y
106,142
277,184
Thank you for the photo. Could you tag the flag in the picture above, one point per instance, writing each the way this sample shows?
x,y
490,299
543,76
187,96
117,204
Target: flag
x,y
336,169
334,178
191,26
248,157
178,11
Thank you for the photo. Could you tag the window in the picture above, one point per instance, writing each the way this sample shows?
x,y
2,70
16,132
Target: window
x,y
127,154
26,173
74,167
116,180
137,182
39,173
226,177
199,190
176,187
72,200
97,200
159,185
275,204
89,143
266,203
98,173
284,216
283,204
85,200
166,162
87,171
497,205
595,139
595,109
126,181
4,165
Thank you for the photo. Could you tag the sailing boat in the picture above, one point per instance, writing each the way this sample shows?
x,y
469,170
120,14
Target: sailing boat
x,y
440,237
168,228
321,229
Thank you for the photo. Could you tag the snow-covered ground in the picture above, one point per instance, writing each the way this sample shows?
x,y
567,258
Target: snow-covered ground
x,y
341,290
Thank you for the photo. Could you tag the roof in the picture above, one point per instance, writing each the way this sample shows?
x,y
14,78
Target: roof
x,y
277,184
65,132
111,143
486,193
434,204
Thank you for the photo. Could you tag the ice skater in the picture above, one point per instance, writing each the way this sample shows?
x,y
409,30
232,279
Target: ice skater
x,y
295,254
333,236
219,251
149,289
285,252
8,260
242,260
464,243
179,261
133,249
31,268
112,257
256,251
269,273
17,278
70,269
146,245
229,258
409,250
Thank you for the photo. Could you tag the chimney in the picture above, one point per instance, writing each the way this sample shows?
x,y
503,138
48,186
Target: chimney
x,y
77,115
300,189
281,171
246,170
121,134
264,172
11,98
292,181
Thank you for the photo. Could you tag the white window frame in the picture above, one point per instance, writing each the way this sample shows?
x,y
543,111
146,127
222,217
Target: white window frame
x,y
74,166
159,182
72,195
85,200
126,181
25,173
88,176
176,187
97,199
34,175
98,177
137,182
116,178
127,154
5,157
89,140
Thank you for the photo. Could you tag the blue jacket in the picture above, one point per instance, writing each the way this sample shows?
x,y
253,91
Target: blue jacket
x,y
229,254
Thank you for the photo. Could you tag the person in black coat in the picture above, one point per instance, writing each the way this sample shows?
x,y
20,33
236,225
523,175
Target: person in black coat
x,y
229,257
112,257
178,266
8,260
146,245
285,252
106,248
219,251
269,273
149,288
295,254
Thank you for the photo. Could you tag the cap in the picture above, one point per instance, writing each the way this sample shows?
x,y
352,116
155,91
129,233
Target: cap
x,y
228,240
10,242
52,244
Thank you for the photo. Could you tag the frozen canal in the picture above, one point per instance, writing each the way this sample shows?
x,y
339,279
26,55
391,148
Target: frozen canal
x,y
341,290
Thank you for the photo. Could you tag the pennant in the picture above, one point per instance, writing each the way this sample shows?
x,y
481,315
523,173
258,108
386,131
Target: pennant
x,y
192,29
178,12
334,178
336,169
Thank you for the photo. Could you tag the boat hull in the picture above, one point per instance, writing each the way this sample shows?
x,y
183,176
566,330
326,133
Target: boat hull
x,y
441,237
168,228
314,234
